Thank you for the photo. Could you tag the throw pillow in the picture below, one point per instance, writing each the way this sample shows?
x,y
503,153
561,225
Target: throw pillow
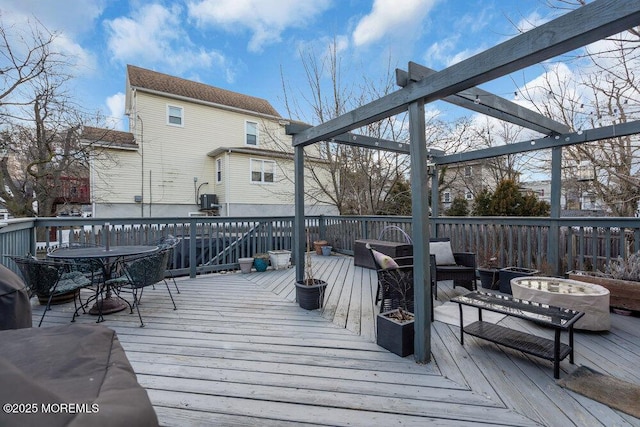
x,y
443,253
384,261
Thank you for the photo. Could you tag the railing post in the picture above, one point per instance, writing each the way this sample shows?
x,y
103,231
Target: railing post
x,y
192,248
322,228
364,228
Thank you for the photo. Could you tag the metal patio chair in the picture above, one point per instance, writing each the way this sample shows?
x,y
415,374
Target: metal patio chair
x,y
52,278
169,243
141,272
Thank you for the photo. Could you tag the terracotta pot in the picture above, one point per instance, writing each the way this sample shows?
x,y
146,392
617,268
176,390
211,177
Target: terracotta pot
x,y
318,244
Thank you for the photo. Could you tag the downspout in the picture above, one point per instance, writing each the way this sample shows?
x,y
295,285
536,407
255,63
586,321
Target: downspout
x,y
141,166
227,184
92,186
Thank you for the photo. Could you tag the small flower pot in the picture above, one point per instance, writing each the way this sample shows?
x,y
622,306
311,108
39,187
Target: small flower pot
x,y
261,264
326,250
245,265
318,244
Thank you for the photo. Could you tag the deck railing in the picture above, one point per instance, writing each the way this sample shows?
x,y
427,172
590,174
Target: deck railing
x,y
215,243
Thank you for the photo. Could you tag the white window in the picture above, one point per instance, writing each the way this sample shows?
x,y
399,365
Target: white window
x,y
263,171
175,115
252,133
467,171
468,195
218,170
446,197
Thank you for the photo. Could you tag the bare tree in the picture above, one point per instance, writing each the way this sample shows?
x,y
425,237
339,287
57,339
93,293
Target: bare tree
x,y
39,123
356,180
604,91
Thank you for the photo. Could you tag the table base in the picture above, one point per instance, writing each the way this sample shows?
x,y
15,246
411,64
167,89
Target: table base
x,y
109,305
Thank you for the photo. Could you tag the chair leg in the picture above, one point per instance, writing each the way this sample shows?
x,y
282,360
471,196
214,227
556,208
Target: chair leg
x,y
169,290
47,308
136,302
174,281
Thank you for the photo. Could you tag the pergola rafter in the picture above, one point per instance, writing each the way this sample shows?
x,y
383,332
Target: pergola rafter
x,y
481,101
573,138
590,23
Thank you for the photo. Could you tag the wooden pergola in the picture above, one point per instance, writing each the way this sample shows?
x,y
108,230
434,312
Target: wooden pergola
x,y
456,84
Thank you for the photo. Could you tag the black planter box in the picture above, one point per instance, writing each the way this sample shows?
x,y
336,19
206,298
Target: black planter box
x,y
508,273
489,277
362,256
394,336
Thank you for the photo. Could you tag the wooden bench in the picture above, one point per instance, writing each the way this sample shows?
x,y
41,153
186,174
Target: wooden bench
x,y
557,318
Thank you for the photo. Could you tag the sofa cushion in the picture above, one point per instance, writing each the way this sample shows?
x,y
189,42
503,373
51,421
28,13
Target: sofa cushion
x,y
384,261
442,252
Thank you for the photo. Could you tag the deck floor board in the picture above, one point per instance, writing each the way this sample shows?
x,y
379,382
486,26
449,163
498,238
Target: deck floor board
x,y
239,351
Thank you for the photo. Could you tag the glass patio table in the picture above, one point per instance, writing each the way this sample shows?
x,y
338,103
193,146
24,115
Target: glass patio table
x,y
108,257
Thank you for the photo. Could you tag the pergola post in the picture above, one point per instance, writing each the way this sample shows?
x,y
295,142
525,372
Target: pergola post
x,y
298,222
420,226
554,229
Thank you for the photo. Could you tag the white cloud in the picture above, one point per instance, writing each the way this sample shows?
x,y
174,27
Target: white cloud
x,y
51,19
267,20
115,104
71,17
154,35
444,52
531,21
392,18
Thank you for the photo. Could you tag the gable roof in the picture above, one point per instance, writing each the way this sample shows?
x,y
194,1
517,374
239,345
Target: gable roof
x,y
109,137
141,78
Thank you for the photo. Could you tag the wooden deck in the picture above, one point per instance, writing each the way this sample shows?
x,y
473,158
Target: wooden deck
x,y
239,351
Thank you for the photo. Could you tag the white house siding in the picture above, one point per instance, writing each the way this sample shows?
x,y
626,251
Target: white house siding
x,y
246,198
177,168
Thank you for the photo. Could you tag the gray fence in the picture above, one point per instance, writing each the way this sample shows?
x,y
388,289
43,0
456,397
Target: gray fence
x,y
215,243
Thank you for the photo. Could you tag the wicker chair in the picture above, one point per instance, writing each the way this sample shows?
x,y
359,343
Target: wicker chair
x,y
395,285
463,272
51,278
140,273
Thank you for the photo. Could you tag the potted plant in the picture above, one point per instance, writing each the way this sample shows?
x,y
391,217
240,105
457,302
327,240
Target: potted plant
x,y
621,278
488,270
395,328
310,291
261,261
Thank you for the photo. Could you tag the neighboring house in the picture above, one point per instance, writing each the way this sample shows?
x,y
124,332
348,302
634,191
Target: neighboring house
x,y
193,149
466,180
575,200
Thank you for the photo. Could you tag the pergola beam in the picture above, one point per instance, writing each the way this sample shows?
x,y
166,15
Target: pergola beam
x,y
613,131
481,101
364,141
590,23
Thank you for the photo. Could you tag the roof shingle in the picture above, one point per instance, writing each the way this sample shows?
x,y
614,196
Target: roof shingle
x,y
101,135
152,80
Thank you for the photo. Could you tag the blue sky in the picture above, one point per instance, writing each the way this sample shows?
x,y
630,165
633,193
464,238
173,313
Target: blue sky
x,y
242,45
